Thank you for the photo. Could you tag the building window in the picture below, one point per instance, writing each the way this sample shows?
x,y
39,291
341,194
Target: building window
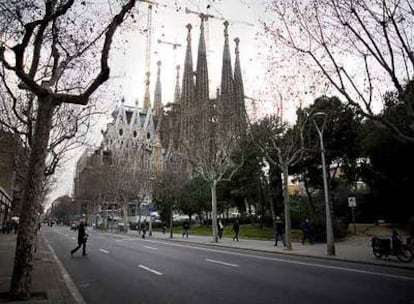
x,y
121,132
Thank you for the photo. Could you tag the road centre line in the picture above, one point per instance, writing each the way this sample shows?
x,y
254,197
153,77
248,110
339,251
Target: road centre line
x,y
149,247
394,276
103,250
221,263
150,270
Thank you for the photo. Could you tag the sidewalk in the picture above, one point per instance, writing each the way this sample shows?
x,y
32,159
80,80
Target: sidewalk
x,y
48,285
355,250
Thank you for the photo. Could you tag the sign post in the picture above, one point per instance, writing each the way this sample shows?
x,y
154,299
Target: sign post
x,y
352,205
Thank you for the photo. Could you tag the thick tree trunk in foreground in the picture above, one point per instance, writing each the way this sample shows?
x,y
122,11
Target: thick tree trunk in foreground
x,y
32,193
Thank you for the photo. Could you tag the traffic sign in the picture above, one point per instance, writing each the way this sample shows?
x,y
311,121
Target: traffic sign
x,y
352,201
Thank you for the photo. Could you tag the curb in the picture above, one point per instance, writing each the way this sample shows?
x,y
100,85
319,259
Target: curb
x,y
66,277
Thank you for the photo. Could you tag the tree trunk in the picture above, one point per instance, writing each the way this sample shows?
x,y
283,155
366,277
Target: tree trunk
x,y
286,205
171,220
125,205
32,194
213,187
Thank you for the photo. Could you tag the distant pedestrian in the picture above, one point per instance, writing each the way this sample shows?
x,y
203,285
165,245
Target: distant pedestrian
x,y
307,232
143,228
82,238
236,229
15,227
280,231
220,229
186,227
164,228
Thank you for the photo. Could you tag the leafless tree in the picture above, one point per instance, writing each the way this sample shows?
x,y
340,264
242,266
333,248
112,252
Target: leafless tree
x,y
51,48
124,182
282,147
168,190
363,47
210,146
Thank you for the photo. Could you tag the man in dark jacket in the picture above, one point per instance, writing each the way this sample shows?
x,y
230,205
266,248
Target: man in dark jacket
x,y
82,237
280,231
236,228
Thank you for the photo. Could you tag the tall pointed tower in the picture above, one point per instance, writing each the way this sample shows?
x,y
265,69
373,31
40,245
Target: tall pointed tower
x,y
239,94
188,87
177,90
202,88
158,93
227,100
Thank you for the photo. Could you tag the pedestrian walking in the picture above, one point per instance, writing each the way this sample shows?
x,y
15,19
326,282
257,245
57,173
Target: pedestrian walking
x,y
307,232
143,228
220,229
280,231
236,229
82,238
186,226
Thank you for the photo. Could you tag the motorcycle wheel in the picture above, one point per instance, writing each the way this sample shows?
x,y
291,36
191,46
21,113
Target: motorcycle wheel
x,y
405,255
377,252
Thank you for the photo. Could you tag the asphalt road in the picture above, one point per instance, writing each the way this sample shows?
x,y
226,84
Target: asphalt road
x,y
127,269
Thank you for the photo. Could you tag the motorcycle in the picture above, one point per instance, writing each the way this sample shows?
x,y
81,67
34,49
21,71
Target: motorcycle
x,y
391,246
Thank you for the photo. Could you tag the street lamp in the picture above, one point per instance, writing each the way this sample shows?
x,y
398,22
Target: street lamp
x,y
330,243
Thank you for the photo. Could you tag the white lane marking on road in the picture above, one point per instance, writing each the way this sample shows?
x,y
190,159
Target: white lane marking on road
x,y
149,247
66,277
103,250
72,238
119,241
221,263
150,270
128,239
66,235
394,276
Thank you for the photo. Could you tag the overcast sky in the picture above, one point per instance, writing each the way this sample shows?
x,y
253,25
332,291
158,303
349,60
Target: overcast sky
x,y
169,24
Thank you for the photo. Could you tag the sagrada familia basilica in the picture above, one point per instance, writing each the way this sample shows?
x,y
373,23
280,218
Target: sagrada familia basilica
x,y
149,136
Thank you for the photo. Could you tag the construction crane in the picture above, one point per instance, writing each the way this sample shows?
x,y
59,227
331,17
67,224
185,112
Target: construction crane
x,y
206,16
147,100
148,46
175,45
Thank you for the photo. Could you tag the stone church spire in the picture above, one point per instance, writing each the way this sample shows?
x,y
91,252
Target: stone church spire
x,y
187,95
226,106
202,90
226,72
239,92
157,93
187,89
177,91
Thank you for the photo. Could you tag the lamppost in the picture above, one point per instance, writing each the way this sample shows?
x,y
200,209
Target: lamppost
x,y
330,242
